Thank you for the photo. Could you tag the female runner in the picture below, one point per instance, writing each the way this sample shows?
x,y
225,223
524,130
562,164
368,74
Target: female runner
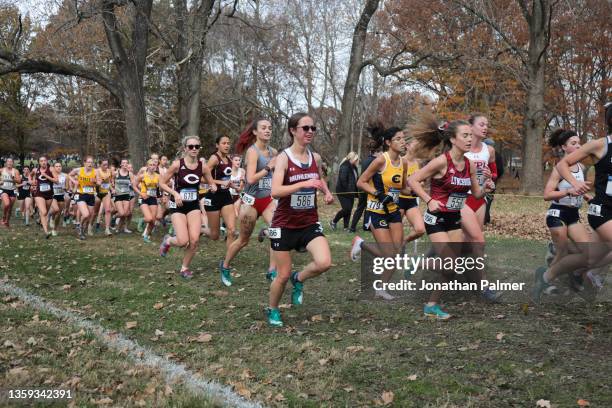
x,y
59,197
43,178
452,175
295,224
184,206
256,198
9,179
149,186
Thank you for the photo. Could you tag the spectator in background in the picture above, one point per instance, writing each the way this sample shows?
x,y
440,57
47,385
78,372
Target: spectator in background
x,y
346,187
499,162
363,196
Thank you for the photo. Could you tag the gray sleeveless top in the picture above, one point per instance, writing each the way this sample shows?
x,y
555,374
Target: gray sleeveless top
x,y
263,187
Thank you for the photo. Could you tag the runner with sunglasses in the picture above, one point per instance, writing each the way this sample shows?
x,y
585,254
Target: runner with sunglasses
x,y
295,224
184,206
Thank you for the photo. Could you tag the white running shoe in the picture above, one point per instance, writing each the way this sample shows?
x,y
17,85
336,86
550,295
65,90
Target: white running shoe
x,y
54,233
596,279
383,294
127,231
356,247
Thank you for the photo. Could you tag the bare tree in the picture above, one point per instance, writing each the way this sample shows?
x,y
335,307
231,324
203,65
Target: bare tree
x,y
129,54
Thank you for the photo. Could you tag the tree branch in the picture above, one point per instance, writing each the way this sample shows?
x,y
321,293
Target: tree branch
x,y
383,72
9,63
520,53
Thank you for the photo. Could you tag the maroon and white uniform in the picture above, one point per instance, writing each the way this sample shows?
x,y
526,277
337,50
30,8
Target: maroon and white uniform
x,y
298,210
186,183
452,188
44,187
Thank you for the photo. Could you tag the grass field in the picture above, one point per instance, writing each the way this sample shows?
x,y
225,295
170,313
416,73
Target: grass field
x,y
338,349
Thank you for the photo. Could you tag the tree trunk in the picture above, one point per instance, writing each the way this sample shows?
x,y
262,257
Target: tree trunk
x,y
192,26
352,79
136,128
534,125
535,119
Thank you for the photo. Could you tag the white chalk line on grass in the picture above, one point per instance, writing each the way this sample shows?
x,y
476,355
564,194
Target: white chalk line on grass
x,y
171,371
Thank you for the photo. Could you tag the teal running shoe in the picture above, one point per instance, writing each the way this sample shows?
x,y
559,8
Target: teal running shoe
x,y
297,294
436,312
540,285
226,277
270,275
274,317
146,239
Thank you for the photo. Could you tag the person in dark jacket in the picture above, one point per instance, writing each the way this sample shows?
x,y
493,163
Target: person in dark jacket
x,y
363,196
346,189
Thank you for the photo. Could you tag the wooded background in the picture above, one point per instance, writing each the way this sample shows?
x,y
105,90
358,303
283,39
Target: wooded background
x,y
127,77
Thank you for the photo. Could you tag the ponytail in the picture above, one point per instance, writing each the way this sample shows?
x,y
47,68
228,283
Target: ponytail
x,y
429,134
559,137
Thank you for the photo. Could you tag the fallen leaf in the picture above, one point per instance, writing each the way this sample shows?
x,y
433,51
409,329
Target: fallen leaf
x,y
203,338
8,343
323,361
317,318
102,401
168,390
131,325
387,397
412,377
242,390
442,344
279,397
32,341
158,306
159,332
246,374
66,287
351,331
500,316
525,308
583,403
500,336
221,293
542,403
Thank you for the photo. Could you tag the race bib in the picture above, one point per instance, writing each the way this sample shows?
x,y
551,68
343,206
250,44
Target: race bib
x,y
88,190
189,194
152,192
122,189
553,212
609,186
429,219
595,210
140,201
44,187
274,233
303,201
374,205
171,204
265,183
25,187
248,199
455,201
8,185
207,202
58,191
105,186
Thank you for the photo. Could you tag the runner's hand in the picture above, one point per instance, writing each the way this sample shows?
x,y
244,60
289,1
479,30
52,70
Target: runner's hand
x,y
434,206
329,198
177,199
